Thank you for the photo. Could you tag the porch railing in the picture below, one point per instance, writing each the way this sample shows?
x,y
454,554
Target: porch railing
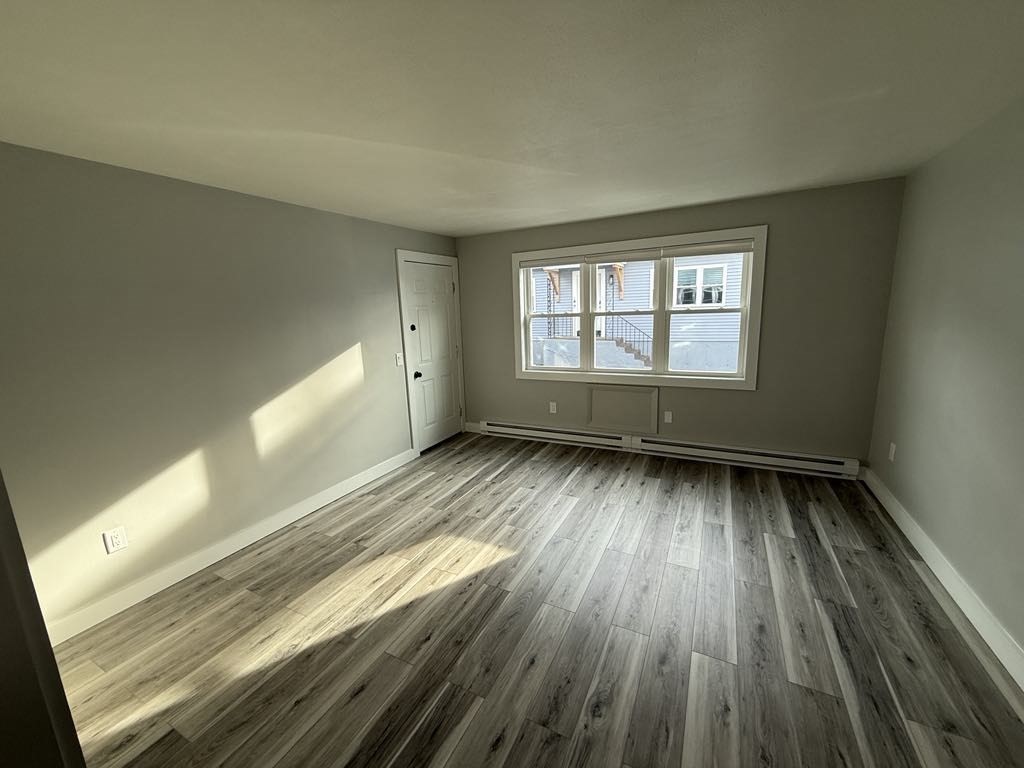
x,y
563,327
625,333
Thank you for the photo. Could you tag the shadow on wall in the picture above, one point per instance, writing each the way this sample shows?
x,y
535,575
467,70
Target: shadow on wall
x,y
179,502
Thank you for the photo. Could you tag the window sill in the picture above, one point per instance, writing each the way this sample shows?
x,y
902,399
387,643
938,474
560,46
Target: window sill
x,y
641,379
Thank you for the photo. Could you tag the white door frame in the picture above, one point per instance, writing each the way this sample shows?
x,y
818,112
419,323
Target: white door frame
x,y
403,257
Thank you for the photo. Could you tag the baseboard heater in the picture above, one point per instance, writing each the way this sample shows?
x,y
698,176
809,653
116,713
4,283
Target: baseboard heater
x,y
749,457
554,435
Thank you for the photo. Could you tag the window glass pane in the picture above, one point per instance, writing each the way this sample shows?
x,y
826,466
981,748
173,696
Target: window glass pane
x,y
623,342
554,289
555,342
708,280
685,287
713,276
712,285
686,277
711,294
704,342
624,285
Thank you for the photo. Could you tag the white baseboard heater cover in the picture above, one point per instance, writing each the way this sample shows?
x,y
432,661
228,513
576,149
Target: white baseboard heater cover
x,y
555,435
750,457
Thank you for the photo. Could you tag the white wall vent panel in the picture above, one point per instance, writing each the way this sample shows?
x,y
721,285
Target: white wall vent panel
x,y
624,409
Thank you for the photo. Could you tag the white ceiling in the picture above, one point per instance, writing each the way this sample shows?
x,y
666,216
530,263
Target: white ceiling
x,y
471,116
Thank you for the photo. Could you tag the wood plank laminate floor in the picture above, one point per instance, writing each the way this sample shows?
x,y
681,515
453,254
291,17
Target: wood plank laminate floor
x,y
511,603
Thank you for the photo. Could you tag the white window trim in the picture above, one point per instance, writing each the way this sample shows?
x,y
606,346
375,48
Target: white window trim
x,y
716,242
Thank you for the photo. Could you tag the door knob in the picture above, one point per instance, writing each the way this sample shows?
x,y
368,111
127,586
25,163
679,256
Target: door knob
x,y
417,375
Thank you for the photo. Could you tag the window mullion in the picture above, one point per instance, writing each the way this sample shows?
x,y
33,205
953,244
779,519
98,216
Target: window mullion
x,y
586,317
659,327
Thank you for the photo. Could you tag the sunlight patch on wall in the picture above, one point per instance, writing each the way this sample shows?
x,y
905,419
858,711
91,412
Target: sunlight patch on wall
x,y
150,513
300,406
178,491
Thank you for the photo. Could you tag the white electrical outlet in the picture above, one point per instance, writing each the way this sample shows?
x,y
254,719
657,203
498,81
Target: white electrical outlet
x,y
668,417
115,539
552,407
892,451
399,359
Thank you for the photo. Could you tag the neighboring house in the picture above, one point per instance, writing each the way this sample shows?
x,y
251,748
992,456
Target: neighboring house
x,y
700,342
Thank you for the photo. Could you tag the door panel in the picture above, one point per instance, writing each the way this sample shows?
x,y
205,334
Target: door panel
x,y
429,398
430,315
448,396
424,335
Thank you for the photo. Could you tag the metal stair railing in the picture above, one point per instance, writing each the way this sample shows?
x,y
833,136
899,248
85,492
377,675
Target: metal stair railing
x,y
632,337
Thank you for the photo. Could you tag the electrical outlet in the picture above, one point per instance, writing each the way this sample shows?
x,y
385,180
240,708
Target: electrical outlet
x,y
668,417
115,539
552,407
892,451
399,359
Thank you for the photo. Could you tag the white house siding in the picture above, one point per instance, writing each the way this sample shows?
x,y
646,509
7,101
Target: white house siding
x,y
636,288
708,342
545,299
704,342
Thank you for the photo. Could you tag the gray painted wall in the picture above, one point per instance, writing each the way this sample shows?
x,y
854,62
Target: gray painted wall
x,y
952,380
181,360
829,265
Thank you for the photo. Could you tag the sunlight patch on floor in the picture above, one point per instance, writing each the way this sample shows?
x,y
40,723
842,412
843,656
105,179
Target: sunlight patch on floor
x,y
352,604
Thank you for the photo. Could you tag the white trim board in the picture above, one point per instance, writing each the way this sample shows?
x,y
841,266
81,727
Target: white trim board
x,y
92,614
999,640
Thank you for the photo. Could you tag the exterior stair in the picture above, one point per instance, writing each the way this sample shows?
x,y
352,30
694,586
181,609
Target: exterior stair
x,y
625,346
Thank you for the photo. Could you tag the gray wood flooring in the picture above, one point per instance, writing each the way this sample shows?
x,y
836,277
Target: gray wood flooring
x,y
509,603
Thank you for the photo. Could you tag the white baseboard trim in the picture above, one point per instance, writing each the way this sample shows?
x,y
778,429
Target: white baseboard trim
x,y
1002,643
92,614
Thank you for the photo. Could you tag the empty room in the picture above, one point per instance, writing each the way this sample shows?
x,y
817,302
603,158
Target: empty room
x,y
499,385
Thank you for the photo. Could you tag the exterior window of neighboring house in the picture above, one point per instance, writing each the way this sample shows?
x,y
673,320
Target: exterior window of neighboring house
x,y
702,285
682,310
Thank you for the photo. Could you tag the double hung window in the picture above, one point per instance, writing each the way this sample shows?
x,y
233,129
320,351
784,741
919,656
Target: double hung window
x,y
681,310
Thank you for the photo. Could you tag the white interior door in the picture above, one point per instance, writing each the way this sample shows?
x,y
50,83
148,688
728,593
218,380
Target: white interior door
x,y
428,286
